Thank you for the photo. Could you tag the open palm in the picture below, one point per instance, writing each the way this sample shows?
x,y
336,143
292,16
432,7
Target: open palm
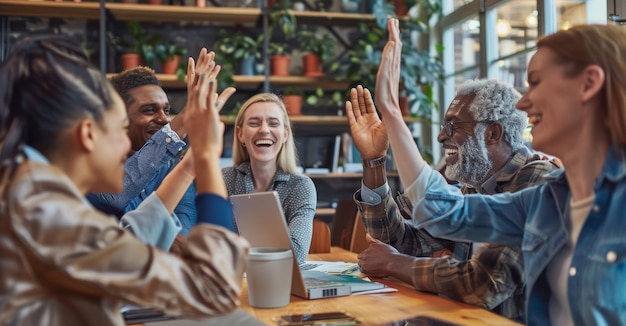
x,y
368,131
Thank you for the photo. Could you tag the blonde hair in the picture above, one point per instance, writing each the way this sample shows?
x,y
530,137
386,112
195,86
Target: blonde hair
x,y
604,46
287,159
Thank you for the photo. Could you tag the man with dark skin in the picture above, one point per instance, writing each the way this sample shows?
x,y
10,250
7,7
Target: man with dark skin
x,y
156,143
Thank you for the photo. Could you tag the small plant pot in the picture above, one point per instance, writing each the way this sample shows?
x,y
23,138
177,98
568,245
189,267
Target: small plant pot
x,y
293,103
246,65
401,8
171,64
201,3
280,65
312,65
131,60
155,2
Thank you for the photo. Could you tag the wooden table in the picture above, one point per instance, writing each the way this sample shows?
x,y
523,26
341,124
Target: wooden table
x,y
382,308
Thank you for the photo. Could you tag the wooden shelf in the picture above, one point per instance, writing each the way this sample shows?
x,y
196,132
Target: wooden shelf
x,y
53,9
316,120
126,11
328,18
165,13
255,81
283,81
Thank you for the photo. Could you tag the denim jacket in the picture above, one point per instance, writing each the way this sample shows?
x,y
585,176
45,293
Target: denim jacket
x,y
535,219
145,170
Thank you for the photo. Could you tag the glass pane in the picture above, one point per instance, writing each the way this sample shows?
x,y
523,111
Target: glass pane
x,y
450,6
466,44
513,70
516,26
570,13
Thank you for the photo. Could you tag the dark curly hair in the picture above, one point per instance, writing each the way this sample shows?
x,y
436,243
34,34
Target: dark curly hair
x,y
132,78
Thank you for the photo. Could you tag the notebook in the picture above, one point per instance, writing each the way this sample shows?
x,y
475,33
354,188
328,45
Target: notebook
x,y
260,219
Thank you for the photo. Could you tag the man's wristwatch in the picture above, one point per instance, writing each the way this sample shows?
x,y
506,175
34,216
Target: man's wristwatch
x,y
375,162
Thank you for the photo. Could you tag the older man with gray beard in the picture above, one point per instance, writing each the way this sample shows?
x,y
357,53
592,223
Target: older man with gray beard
x,y
482,137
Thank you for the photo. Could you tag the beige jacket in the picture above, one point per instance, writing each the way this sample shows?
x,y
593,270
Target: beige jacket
x,y
64,263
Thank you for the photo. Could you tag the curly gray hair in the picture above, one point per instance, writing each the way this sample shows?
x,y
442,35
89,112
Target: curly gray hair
x,y
495,101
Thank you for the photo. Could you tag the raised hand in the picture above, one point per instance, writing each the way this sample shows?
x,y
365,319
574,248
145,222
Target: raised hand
x,y
388,76
205,129
367,130
202,119
207,66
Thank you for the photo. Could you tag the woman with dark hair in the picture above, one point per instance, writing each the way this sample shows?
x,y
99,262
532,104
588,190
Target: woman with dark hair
x,y
63,134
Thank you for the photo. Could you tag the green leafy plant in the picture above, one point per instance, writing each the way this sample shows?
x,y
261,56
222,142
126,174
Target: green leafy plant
x,y
231,49
280,15
169,51
278,48
293,91
237,46
420,71
320,98
317,43
140,42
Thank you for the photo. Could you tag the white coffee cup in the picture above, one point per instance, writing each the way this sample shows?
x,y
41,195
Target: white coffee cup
x,y
268,275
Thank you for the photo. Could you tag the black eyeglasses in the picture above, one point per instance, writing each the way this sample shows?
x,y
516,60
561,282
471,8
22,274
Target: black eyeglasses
x,y
449,125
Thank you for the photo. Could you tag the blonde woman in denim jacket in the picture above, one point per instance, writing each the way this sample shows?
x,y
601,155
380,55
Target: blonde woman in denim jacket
x,y
570,229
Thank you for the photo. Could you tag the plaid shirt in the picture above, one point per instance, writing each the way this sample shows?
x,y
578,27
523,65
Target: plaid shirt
x,y
493,277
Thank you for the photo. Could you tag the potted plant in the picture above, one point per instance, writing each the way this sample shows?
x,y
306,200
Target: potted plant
x,y
320,98
170,55
139,49
279,60
318,49
292,97
419,72
239,48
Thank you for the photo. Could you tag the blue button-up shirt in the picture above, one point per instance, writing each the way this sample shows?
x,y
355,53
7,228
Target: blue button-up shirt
x,y
536,219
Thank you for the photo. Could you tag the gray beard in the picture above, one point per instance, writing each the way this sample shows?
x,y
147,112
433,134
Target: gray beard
x,y
473,164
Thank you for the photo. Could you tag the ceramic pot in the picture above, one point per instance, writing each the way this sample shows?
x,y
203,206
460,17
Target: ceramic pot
x,y
280,65
312,65
171,64
131,60
293,103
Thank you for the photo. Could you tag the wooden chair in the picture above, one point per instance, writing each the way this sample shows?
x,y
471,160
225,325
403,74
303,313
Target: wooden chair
x,y
358,242
348,230
346,213
320,241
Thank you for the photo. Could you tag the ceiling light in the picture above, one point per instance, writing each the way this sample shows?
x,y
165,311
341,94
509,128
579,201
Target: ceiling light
x,y
503,28
532,20
566,25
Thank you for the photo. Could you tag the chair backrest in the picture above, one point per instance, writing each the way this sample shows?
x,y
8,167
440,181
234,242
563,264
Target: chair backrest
x,y
320,241
346,214
358,241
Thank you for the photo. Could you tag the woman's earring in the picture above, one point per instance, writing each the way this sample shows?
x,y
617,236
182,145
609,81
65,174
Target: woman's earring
x,y
243,144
